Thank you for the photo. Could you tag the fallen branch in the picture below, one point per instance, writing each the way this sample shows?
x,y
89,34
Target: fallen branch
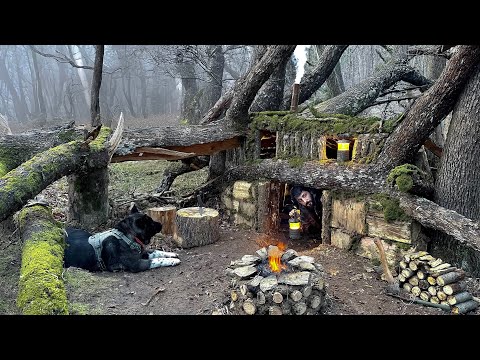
x,y
159,290
402,296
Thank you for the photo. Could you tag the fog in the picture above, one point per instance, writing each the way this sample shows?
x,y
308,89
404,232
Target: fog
x,y
45,85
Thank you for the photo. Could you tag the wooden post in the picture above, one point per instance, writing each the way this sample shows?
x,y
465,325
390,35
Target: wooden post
x,y
295,93
165,215
326,216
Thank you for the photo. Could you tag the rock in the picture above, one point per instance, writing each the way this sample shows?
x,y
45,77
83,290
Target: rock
x,y
245,271
268,283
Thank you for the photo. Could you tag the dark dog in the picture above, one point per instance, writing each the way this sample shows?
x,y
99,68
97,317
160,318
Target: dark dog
x,y
121,248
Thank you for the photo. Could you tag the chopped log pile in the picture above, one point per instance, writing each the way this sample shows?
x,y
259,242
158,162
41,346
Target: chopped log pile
x,y
435,281
296,288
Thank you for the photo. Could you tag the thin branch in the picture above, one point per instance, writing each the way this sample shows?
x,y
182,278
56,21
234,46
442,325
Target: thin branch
x,y
62,58
401,90
435,50
392,100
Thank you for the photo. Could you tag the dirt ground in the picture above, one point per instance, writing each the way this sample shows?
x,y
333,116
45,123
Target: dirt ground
x,y
199,285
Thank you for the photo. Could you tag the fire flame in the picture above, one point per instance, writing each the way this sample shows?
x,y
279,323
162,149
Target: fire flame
x,y
274,255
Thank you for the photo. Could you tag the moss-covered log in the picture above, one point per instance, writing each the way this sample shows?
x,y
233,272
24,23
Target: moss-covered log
x,y
31,177
18,148
173,136
41,290
355,177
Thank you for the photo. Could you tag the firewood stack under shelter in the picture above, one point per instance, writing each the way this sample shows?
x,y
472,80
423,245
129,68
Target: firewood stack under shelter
x,y
435,281
276,282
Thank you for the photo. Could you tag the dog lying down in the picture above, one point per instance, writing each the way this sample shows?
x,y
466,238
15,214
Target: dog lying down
x,y
121,248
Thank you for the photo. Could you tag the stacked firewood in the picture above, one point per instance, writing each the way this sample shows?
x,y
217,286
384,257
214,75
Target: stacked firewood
x,y
435,281
298,288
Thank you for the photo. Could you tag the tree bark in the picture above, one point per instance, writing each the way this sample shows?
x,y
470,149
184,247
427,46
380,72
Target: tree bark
x,y
18,148
335,80
96,83
270,95
457,186
196,227
245,91
312,81
88,197
213,91
165,215
190,96
430,109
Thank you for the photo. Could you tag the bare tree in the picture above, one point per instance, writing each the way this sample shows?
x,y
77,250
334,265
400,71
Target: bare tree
x,y
96,83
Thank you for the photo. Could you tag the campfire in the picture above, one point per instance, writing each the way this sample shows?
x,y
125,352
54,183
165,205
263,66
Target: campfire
x,y
275,281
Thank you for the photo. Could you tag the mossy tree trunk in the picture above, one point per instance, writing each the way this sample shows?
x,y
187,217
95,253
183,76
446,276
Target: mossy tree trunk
x,y
31,177
457,186
41,290
88,198
18,148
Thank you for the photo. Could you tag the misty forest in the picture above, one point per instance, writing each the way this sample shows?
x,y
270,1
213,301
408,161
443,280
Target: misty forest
x,y
287,179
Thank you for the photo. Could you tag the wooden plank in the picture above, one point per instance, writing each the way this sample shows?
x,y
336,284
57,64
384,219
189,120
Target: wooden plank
x,y
349,215
178,152
143,156
340,239
209,148
396,230
322,148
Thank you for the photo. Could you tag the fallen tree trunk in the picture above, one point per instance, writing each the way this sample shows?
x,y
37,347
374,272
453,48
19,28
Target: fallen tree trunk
x,y
363,178
31,177
173,136
433,216
41,290
362,95
18,148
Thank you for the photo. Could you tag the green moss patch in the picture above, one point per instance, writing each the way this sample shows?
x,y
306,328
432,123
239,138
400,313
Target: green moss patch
x,y
390,208
99,143
41,290
402,176
330,124
83,288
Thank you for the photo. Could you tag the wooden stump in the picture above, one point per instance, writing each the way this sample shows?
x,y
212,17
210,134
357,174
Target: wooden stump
x,y
193,229
165,215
